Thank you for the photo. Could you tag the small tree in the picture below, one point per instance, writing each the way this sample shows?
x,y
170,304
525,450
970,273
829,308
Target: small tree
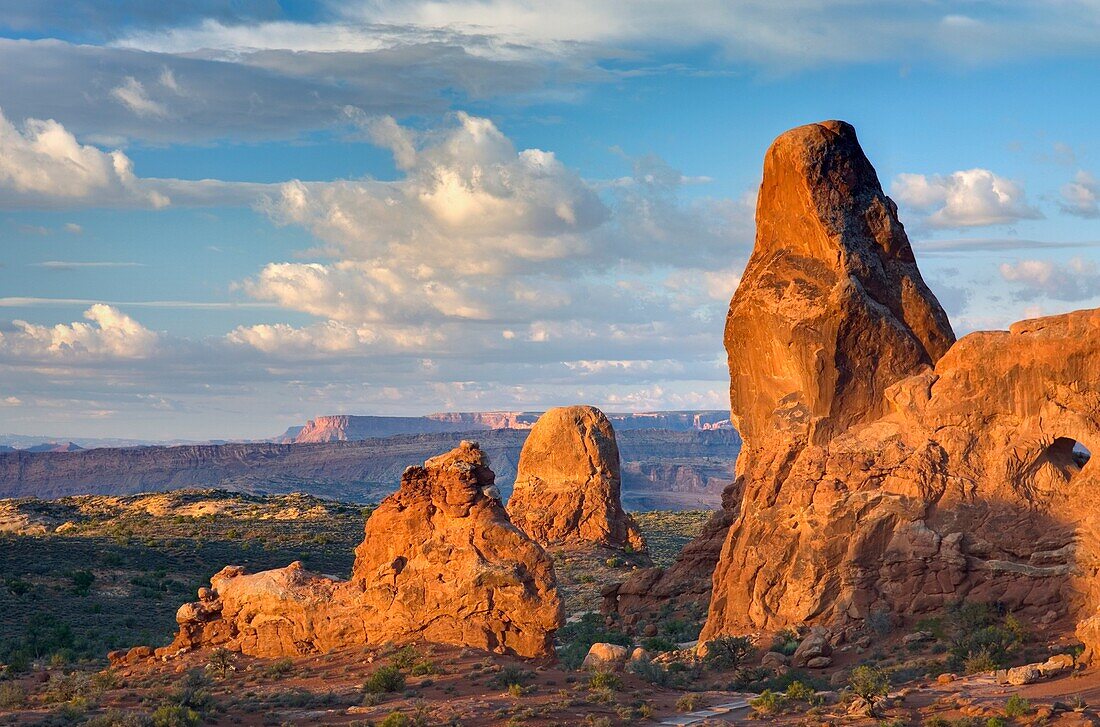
x,y
869,684
221,661
728,652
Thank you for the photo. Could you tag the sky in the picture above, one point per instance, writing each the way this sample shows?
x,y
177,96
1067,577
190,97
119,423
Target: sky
x,y
222,218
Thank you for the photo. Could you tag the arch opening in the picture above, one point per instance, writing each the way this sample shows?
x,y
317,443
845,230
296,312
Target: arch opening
x,y
1068,455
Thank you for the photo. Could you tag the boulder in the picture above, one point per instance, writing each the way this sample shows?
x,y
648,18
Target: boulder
x,y
774,659
639,654
1021,675
440,561
814,645
819,662
604,656
567,489
917,637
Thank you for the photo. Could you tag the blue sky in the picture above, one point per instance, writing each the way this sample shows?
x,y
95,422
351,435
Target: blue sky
x,y
221,219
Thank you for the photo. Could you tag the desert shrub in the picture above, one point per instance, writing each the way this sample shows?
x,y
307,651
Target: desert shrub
x,y
605,680
981,637
869,684
1017,706
66,687
405,657
386,679
767,703
880,621
799,692
657,644
982,661
785,642
516,690
175,715
82,581
728,652
12,695
653,673
280,667
687,703
510,675
118,718
996,722
424,667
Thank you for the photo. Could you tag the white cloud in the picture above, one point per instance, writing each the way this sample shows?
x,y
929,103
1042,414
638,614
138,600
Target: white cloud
x,y
757,31
1081,197
133,96
11,401
44,164
969,198
1077,279
469,201
73,229
110,334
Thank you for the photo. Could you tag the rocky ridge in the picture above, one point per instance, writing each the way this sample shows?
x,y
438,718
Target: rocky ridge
x,y
440,561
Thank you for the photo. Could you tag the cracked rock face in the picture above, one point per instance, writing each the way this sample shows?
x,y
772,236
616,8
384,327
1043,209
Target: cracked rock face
x,y
440,561
567,491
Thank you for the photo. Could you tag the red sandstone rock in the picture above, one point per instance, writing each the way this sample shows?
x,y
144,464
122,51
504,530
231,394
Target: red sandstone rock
x,y
567,490
883,469
884,466
440,561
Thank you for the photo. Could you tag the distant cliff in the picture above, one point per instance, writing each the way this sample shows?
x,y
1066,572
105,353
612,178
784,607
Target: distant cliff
x,y
347,428
661,468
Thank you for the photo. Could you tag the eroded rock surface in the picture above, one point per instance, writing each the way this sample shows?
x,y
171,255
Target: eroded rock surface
x,y
886,467
440,561
567,491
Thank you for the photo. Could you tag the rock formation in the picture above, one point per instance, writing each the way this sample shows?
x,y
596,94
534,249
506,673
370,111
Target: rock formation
x,y
886,467
440,561
567,491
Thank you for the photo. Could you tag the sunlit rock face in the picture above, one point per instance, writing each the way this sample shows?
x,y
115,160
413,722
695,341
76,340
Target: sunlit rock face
x,y
440,562
886,467
567,491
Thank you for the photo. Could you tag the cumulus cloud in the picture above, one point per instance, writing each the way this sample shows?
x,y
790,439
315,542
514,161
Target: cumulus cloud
x,y
1081,197
109,334
43,164
1077,279
499,252
969,198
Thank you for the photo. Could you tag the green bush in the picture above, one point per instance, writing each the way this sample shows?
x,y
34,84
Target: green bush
x,y
767,703
512,675
175,715
605,680
12,695
386,679
658,644
785,642
395,719
1017,706
799,692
